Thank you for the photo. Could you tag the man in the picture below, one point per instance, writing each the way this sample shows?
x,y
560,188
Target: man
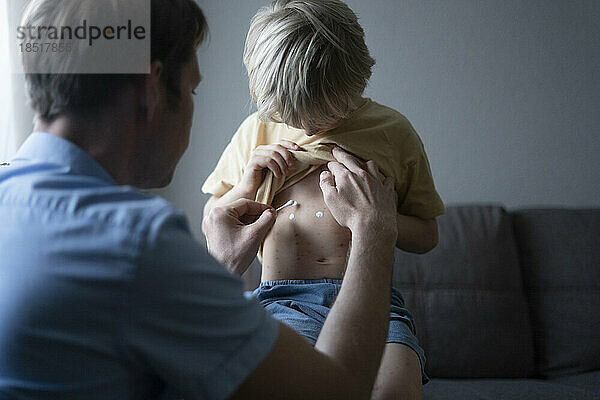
x,y
103,291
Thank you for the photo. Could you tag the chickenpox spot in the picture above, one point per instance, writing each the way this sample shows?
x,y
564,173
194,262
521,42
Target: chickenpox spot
x,y
319,214
292,216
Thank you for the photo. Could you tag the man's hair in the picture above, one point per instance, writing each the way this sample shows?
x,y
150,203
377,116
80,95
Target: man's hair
x,y
178,27
307,62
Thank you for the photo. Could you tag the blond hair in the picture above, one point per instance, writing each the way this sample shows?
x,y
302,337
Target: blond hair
x,y
307,62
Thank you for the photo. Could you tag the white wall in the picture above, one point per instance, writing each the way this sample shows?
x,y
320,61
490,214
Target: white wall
x,y
505,95
7,140
16,117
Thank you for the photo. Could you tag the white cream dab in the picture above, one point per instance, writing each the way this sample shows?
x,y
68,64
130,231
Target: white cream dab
x,y
319,214
292,216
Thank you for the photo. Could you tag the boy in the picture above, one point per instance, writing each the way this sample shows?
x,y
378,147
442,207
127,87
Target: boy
x,y
308,66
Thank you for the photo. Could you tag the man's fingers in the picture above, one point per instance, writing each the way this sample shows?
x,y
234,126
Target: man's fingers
x,y
346,159
326,182
243,207
372,168
389,183
263,224
238,207
336,168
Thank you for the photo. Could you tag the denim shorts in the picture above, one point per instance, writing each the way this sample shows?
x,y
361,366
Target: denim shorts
x,y
303,305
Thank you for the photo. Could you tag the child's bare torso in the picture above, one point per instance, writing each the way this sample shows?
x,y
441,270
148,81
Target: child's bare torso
x,y
309,245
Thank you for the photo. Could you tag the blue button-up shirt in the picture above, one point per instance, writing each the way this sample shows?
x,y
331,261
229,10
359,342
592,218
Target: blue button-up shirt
x,y
105,294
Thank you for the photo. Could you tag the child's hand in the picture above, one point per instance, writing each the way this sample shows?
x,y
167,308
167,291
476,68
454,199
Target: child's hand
x,y
275,157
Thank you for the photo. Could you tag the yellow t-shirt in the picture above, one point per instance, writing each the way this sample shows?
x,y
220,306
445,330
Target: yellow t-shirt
x,y
372,132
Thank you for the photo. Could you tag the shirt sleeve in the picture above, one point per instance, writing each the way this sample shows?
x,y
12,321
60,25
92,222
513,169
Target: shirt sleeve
x,y
418,195
189,321
230,168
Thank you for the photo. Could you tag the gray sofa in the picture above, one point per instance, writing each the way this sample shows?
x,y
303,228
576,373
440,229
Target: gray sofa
x,y
508,304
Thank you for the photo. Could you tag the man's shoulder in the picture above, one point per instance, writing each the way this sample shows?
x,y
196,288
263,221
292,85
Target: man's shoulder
x,y
129,209
73,197
135,209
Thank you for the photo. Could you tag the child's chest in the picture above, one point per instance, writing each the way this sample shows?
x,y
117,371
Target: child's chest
x,y
305,241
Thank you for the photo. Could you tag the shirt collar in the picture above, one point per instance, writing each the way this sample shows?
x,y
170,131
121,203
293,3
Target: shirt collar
x,y
42,146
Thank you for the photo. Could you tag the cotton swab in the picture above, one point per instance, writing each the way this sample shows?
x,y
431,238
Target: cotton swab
x,y
289,203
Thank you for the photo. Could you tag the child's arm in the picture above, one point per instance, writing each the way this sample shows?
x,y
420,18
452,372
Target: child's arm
x,y
416,235
275,157
237,192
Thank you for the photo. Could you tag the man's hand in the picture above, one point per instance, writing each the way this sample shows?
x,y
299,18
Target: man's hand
x,y
234,232
344,362
356,197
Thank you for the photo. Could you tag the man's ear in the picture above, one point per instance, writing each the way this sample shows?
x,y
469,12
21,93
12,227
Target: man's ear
x,y
151,91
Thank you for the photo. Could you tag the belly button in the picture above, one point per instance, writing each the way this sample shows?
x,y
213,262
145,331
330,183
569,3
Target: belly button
x,y
321,260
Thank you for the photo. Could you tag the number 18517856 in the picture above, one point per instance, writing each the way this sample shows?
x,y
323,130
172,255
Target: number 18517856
x,y
49,47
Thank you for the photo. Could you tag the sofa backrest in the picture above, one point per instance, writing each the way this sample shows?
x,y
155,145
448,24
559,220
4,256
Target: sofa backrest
x,y
560,259
467,297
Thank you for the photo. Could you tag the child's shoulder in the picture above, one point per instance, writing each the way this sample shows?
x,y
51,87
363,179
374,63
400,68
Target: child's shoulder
x,y
396,126
266,132
251,122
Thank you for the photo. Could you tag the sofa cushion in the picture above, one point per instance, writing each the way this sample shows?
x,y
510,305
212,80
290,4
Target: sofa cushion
x,y
560,258
467,297
588,380
504,389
